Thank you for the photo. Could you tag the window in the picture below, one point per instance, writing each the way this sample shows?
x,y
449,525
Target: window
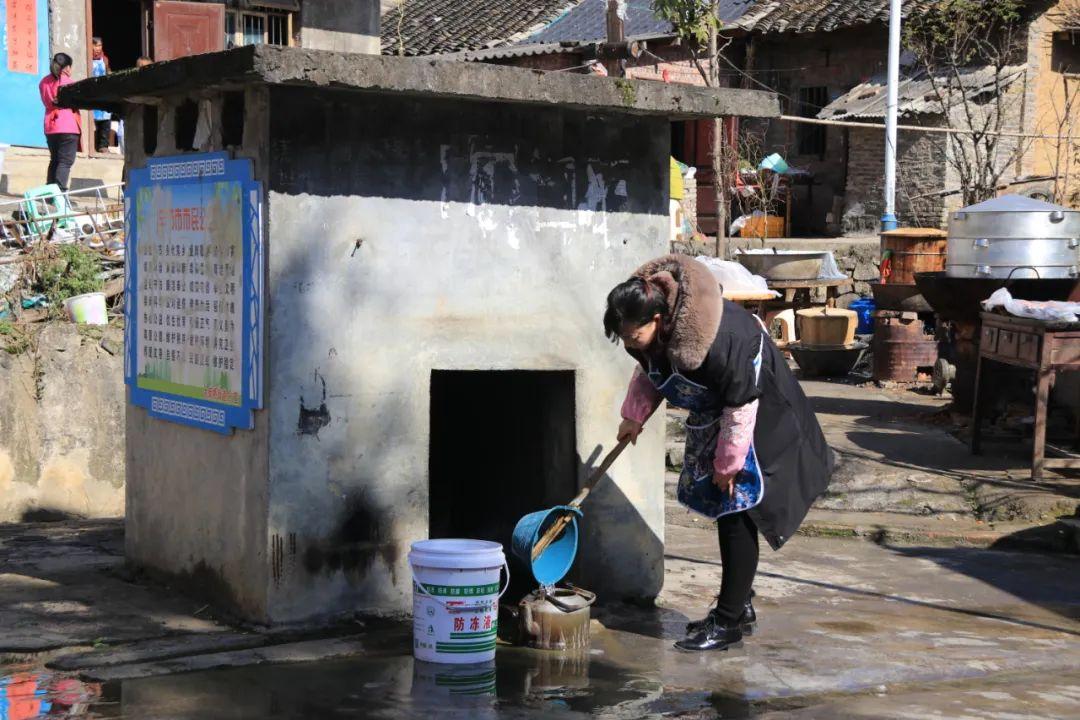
x,y
277,29
260,27
254,28
230,30
1065,53
811,138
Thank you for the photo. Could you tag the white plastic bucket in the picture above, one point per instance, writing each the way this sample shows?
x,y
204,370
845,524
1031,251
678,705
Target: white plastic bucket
x,y
88,309
456,591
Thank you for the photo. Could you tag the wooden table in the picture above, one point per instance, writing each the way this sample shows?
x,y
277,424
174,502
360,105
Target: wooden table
x,y
1046,348
796,293
755,302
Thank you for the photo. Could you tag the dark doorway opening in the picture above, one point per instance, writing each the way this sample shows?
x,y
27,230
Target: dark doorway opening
x,y
502,445
119,25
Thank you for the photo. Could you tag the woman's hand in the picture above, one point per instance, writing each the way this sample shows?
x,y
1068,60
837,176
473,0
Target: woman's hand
x,y
725,483
629,430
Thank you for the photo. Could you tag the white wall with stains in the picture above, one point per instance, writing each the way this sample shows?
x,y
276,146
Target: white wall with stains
x,y
356,333
408,236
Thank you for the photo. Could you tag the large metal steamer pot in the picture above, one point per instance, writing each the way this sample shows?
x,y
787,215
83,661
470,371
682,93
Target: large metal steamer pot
x,y
1014,237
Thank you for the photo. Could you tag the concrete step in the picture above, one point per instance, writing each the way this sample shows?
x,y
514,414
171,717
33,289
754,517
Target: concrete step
x,y
158,649
27,168
942,530
305,651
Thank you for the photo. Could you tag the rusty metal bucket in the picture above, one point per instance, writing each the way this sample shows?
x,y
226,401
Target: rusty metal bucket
x,y
902,349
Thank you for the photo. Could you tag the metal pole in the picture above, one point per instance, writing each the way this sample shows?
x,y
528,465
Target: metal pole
x,y
888,219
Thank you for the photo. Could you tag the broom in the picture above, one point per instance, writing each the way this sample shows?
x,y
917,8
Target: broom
x,y
556,529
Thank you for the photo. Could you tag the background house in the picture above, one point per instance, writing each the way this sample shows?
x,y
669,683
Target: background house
x,y
828,62
927,183
427,27
34,30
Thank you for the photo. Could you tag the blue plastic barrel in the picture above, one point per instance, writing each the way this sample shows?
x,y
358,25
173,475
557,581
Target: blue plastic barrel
x,y
864,308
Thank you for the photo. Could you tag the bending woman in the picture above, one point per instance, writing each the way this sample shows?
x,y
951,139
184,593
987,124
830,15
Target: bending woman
x,y
755,455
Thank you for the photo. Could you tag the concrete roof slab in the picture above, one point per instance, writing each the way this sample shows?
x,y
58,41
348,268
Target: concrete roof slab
x,y
272,65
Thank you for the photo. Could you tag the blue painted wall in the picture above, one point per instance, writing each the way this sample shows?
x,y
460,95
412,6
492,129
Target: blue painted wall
x,y
21,113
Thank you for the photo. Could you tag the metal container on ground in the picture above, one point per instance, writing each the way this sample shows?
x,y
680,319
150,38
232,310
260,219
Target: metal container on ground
x,y
833,327
1014,237
906,251
902,348
959,298
783,264
894,296
825,361
556,618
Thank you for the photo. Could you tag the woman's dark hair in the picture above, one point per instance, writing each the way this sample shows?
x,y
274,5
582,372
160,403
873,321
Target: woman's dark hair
x,y
634,302
63,60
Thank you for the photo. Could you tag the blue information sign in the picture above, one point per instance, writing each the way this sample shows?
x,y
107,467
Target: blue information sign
x,y
194,291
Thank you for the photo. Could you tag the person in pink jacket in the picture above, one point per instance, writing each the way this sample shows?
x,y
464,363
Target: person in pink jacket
x,y
756,457
63,129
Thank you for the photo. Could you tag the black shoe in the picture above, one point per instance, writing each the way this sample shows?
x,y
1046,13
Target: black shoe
x,y
715,636
746,621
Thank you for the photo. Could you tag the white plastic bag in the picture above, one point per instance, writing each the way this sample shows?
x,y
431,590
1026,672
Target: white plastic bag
x,y
733,277
1047,311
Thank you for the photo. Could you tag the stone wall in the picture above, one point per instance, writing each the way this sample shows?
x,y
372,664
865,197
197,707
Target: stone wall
x,y
62,425
920,177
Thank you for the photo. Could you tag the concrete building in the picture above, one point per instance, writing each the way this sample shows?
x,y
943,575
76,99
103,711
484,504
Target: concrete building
x,y
440,239
34,30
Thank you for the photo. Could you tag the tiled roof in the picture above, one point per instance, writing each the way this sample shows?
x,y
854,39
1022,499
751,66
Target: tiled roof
x,y
588,21
915,93
515,51
443,26
804,16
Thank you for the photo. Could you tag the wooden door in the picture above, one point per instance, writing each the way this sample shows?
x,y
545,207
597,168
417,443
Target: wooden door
x,y
187,28
699,147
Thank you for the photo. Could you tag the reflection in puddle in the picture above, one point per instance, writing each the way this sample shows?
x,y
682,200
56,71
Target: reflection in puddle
x,y
441,681
37,694
519,683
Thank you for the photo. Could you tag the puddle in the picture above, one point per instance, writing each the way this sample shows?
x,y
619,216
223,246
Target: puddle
x,y
27,693
519,684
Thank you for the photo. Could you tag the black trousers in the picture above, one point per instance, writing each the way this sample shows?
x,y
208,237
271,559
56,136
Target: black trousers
x,y
101,134
739,556
62,149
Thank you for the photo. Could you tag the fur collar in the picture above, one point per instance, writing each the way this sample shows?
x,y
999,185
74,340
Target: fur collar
x,y
694,304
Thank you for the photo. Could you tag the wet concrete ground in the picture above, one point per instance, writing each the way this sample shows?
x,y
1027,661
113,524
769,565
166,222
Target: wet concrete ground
x,y
905,471
849,629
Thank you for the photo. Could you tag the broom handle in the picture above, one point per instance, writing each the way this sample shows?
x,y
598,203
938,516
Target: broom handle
x,y
559,525
608,461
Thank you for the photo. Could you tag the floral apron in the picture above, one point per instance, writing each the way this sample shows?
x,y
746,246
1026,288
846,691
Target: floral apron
x,y
696,488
